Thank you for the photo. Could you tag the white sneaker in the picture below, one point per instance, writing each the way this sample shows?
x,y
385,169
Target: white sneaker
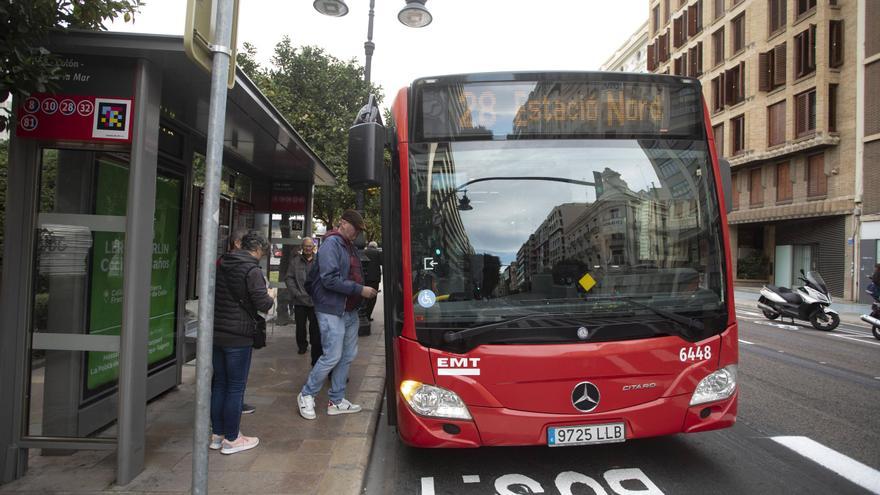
x,y
306,405
239,444
216,442
344,407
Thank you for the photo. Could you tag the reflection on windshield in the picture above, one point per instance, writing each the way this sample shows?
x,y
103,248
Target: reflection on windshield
x,y
503,227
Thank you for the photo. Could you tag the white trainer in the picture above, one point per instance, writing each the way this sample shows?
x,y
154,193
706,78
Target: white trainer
x,y
239,444
216,442
344,407
306,405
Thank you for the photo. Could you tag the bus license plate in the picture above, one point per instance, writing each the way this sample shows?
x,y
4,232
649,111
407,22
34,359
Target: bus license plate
x,y
559,436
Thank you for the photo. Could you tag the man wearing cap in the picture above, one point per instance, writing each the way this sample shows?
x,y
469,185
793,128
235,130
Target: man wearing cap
x,y
336,292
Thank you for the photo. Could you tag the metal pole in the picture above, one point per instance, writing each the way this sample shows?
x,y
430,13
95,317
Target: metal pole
x,y
208,245
369,46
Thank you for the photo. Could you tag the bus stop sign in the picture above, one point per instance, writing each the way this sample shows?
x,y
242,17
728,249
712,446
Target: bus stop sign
x,y
198,35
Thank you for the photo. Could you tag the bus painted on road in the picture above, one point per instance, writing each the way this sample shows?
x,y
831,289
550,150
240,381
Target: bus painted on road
x,y
557,269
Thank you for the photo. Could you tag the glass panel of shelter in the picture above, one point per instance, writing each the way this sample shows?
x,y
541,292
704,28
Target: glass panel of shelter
x,y
77,300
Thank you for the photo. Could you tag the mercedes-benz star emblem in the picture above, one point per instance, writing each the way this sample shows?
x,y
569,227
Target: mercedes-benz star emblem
x,y
585,396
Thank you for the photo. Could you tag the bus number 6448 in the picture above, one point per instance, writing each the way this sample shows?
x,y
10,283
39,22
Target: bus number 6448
x,y
694,353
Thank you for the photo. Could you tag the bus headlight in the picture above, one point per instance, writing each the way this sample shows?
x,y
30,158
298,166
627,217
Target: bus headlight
x,y
432,401
719,385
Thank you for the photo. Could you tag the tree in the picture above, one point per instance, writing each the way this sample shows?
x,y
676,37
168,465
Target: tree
x,y
26,65
320,96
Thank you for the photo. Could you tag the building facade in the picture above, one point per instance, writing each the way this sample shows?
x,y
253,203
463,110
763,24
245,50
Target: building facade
x,y
776,79
632,56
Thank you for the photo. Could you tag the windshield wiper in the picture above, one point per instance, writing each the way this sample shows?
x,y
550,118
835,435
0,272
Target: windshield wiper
x,y
451,336
687,325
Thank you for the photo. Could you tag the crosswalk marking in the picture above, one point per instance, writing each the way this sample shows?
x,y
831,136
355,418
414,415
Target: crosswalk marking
x,y
851,469
428,485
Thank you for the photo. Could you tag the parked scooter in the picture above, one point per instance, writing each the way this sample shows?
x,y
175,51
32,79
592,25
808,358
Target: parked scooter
x,y
873,319
810,302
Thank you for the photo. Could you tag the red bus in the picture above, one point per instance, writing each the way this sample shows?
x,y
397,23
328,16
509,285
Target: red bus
x,y
557,269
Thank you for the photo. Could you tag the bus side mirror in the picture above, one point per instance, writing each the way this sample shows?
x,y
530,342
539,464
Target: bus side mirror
x,y
726,183
366,154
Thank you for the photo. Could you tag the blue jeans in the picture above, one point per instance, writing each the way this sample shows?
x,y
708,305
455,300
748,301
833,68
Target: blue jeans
x,y
339,339
231,366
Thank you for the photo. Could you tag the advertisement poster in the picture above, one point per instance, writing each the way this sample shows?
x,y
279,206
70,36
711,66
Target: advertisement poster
x,y
105,315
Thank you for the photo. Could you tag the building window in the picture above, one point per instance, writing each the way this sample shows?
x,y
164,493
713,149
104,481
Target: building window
x,y
718,11
777,17
735,179
667,10
695,60
756,190
739,33
783,182
664,47
835,44
718,132
718,47
652,58
817,182
805,113
737,135
771,68
832,108
805,52
776,124
718,93
679,30
655,18
695,18
735,84
805,6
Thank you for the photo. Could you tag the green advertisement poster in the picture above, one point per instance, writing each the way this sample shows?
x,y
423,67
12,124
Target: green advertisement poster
x,y
105,315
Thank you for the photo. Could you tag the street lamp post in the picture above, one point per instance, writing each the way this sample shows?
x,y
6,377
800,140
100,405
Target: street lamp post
x,y
414,15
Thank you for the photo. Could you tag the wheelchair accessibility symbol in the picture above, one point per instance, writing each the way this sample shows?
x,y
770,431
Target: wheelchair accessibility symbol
x,y
426,298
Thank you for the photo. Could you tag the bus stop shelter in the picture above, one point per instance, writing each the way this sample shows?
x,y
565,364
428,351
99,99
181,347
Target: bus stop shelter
x,y
98,307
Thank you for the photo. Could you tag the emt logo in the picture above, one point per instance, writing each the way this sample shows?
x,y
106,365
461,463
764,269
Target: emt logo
x,y
458,366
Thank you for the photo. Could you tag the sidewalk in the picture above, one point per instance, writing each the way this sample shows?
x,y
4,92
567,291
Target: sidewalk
x,y
295,456
849,312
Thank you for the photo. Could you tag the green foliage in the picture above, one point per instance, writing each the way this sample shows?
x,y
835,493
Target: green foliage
x,y
752,267
26,65
320,96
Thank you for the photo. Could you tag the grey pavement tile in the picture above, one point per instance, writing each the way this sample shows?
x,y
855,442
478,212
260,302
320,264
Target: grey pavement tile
x,y
90,480
350,451
158,481
341,481
291,462
314,446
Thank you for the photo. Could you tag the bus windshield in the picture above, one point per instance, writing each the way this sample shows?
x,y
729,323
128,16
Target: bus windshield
x,y
503,229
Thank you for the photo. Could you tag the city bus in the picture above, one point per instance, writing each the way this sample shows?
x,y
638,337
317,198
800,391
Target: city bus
x,y
557,264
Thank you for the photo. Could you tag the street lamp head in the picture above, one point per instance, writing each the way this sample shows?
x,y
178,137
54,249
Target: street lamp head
x,y
333,8
415,14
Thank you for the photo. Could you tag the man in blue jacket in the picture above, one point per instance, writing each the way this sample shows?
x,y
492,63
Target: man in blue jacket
x,y
336,293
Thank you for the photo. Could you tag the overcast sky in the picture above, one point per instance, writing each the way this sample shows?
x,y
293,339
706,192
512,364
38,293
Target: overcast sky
x,y
465,36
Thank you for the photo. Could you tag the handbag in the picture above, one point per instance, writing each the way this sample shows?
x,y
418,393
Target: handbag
x,y
259,334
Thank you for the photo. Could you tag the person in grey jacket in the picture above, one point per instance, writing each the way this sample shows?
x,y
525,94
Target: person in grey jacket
x,y
337,290
303,308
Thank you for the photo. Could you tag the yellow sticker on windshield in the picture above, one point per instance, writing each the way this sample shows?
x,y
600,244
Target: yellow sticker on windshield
x,y
587,282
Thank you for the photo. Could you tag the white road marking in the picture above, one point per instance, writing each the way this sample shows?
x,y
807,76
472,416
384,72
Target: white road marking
x,y
851,469
854,340
470,478
428,485
749,313
746,342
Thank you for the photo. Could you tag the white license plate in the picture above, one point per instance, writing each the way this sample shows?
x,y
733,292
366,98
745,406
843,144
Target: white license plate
x,y
559,436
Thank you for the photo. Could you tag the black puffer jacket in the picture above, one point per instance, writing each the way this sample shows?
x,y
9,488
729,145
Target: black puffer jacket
x,y
238,272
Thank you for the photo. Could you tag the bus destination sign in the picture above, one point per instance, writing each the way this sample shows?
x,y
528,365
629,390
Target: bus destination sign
x,y
516,109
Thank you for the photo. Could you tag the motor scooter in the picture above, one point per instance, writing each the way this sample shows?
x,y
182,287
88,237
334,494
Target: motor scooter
x,y
873,319
810,303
